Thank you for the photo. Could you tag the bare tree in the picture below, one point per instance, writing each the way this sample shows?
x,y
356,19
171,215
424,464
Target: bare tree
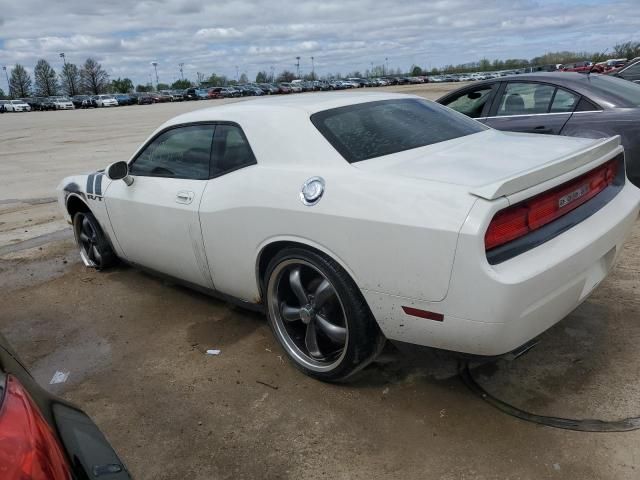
x,y
20,82
45,79
70,79
95,79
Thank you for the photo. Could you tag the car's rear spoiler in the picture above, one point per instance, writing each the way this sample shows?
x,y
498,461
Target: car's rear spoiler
x,y
601,150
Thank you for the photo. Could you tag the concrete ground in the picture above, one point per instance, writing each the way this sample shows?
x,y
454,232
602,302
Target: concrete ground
x,y
134,349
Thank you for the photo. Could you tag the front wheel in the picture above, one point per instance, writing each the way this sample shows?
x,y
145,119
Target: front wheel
x,y
319,316
95,250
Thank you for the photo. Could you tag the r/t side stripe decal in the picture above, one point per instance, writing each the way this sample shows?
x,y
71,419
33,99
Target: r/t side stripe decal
x,y
90,184
98,186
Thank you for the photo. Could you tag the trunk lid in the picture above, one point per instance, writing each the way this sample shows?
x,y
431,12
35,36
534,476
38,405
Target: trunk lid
x,y
493,164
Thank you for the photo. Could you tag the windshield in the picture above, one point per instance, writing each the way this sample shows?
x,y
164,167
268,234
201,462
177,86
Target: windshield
x,y
623,92
368,130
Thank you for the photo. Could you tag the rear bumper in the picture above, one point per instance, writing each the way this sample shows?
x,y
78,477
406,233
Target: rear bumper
x,y
493,309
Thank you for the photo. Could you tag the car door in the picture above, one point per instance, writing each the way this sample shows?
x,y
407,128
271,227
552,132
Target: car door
x,y
532,107
223,233
472,101
156,219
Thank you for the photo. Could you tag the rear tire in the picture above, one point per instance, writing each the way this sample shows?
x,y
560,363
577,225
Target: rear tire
x,y
319,316
95,249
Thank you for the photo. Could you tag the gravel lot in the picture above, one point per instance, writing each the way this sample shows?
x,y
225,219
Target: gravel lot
x,y
134,346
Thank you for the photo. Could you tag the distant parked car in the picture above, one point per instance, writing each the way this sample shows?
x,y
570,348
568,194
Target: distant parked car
x,y
125,99
39,104
62,103
17,106
83,101
214,92
145,99
568,104
106,101
3,107
176,95
191,94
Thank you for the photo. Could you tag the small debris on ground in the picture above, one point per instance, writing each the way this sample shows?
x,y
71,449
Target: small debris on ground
x,y
213,352
59,377
274,387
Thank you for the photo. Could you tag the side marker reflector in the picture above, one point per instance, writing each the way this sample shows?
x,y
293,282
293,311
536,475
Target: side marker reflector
x,y
416,312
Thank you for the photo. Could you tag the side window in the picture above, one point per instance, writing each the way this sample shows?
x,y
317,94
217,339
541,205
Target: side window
x,y
525,99
182,152
471,103
585,105
563,102
230,150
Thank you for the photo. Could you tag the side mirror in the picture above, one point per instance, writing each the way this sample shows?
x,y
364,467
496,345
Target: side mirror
x,y
119,171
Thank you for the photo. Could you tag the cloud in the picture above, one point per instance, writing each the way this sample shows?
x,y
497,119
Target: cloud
x,y
341,35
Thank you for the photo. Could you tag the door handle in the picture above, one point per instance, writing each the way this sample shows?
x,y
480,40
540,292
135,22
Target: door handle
x,y
184,196
542,129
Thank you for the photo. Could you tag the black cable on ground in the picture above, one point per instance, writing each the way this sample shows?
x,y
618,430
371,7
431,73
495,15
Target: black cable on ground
x,y
579,425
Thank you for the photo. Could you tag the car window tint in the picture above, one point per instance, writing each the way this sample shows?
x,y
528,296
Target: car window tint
x,y
373,129
471,103
525,99
231,150
564,101
177,153
585,105
633,70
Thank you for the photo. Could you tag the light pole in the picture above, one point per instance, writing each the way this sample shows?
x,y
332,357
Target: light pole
x,y
181,73
155,67
313,70
273,78
386,64
371,71
237,74
4,67
298,67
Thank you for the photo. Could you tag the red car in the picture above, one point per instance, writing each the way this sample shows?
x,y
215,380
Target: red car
x,y
584,66
214,93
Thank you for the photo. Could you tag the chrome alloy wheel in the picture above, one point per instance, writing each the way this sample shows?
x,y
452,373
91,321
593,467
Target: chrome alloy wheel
x,y
308,315
87,240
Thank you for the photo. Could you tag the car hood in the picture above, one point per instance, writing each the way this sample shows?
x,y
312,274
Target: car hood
x,y
492,163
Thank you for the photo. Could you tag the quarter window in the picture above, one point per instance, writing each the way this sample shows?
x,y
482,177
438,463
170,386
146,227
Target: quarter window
x,y
182,152
525,99
230,150
563,102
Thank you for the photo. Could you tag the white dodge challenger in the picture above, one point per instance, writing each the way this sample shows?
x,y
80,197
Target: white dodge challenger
x,y
355,218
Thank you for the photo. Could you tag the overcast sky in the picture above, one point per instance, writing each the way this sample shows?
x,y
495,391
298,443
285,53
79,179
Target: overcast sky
x,y
342,35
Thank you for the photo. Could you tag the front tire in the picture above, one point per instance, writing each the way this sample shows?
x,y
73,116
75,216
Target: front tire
x,y
95,249
319,316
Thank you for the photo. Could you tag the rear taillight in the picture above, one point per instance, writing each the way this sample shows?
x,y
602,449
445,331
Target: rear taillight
x,y
525,217
28,447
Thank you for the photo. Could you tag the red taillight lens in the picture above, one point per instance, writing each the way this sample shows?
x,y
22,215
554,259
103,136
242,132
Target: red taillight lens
x,y
28,447
518,220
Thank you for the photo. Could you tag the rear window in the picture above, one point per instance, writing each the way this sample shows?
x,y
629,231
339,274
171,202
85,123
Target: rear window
x,y
623,92
374,129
